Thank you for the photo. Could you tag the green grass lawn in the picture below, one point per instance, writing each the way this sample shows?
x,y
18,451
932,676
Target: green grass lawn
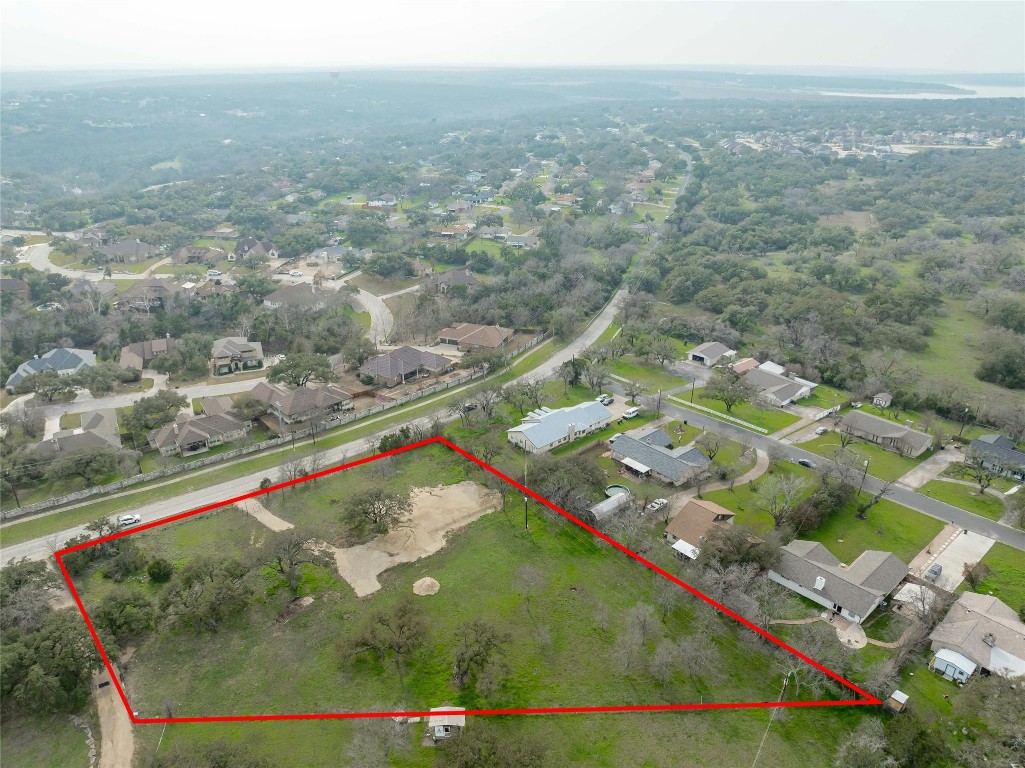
x,y
491,247
882,463
1006,579
769,419
825,397
958,471
45,740
963,497
361,318
608,334
889,526
70,421
653,376
950,428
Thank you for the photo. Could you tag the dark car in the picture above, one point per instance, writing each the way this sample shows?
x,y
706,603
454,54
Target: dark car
x,y
807,463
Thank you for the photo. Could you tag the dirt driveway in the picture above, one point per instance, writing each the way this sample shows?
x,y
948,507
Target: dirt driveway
x,y
436,512
117,742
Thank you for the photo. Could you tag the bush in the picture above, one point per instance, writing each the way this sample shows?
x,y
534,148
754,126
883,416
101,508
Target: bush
x,y
160,571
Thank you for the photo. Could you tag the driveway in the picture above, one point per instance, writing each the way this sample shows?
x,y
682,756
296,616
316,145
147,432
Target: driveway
x,y
966,548
931,468
38,256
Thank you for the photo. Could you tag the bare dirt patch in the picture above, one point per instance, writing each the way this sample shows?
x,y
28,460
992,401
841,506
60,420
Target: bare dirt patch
x,y
426,586
436,512
117,742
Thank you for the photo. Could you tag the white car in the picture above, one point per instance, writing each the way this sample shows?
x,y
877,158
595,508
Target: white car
x,y
126,520
213,273
629,413
657,504
821,430
295,273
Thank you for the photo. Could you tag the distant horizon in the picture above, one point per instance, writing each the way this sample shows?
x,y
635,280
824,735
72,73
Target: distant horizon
x,y
976,37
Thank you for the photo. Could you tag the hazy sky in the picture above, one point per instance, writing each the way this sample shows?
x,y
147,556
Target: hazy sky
x,y
189,34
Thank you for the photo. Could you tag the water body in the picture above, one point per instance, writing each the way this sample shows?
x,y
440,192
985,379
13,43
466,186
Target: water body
x,y
971,92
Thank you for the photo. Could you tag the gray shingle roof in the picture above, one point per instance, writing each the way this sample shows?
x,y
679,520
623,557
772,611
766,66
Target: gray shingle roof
x,y
857,587
711,350
883,428
1000,451
675,465
971,619
402,362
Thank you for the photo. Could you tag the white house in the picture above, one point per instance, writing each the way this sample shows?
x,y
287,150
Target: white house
x,y
545,428
776,386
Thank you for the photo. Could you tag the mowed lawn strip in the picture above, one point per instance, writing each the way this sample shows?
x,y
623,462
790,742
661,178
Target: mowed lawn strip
x,y
1006,579
964,497
769,419
884,464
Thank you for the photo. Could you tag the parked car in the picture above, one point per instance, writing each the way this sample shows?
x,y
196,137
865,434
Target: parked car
x,y
934,572
615,437
657,504
807,463
821,430
126,520
604,399
856,405
213,273
629,413
295,273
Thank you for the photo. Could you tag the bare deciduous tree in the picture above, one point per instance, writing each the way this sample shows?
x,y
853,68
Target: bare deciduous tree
x,y
778,496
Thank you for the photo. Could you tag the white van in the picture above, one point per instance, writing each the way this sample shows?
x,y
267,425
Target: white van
x,y
213,273
629,413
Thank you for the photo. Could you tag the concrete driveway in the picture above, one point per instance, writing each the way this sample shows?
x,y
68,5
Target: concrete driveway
x,y
967,548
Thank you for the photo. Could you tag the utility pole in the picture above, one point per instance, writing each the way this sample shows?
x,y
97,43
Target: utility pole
x,y
525,527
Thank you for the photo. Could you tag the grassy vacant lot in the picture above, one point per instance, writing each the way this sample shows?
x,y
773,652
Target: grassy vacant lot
x,y
45,740
769,419
825,397
964,497
561,652
882,463
889,526
1006,579
653,376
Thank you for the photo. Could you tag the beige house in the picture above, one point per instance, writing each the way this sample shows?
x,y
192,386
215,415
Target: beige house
x,y
686,532
471,336
888,434
187,436
234,354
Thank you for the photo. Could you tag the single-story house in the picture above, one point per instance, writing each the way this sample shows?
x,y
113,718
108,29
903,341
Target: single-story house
x,y
106,289
710,353
235,353
985,632
66,361
455,231
607,508
149,294
403,364
140,354
99,430
251,246
686,532
186,436
296,296
331,254
197,254
445,722
129,251
460,207
890,435
1001,455
443,281
471,336
853,591
527,242
301,403
882,400
547,428
777,388
651,454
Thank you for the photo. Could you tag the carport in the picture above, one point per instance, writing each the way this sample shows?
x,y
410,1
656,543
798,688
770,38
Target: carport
x,y
636,467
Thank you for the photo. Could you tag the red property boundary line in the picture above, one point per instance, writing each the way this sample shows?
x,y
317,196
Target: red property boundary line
x,y
867,698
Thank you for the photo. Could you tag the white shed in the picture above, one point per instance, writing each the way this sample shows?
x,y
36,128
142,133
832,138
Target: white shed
x,y
953,665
